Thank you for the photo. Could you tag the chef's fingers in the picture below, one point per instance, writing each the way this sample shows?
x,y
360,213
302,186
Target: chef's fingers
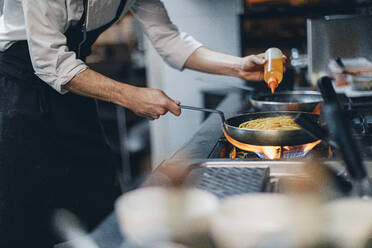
x,y
179,103
284,62
150,116
258,59
153,117
174,107
262,56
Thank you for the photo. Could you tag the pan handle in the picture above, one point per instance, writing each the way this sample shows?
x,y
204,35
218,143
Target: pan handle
x,y
220,113
328,91
313,128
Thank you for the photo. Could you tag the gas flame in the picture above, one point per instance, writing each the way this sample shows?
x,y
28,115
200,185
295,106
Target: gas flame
x,y
310,146
318,109
271,152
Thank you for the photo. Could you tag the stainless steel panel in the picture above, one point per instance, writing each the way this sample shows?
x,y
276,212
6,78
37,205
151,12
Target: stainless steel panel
x,y
344,36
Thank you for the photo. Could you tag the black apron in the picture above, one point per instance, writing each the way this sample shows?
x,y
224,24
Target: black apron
x,y
52,151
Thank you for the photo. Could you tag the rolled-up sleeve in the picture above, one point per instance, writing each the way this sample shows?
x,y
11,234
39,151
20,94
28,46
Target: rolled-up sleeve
x,y
52,61
174,47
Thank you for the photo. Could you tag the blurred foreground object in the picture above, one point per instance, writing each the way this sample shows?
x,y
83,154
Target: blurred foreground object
x,y
304,216
169,174
70,229
349,222
154,214
243,221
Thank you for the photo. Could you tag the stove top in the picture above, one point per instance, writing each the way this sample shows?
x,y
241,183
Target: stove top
x,y
358,108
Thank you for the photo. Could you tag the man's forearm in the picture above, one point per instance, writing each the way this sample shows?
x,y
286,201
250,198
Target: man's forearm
x,y
209,61
93,84
149,103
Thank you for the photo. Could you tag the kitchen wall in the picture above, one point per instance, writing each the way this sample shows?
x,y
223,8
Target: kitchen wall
x,y
215,23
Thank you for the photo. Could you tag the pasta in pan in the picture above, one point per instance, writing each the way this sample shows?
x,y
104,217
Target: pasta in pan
x,y
271,123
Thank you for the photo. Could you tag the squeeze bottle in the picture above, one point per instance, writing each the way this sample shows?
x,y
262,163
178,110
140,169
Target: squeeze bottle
x,y
273,68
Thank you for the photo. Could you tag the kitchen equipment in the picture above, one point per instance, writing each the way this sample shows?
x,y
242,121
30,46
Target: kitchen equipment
x,y
312,127
208,143
355,66
305,101
362,82
299,64
328,92
225,182
343,70
340,128
341,64
240,136
341,183
155,214
346,36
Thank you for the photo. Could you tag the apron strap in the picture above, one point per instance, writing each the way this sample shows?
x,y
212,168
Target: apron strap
x,y
80,41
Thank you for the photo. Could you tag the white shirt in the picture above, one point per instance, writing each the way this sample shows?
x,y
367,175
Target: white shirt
x,y
43,24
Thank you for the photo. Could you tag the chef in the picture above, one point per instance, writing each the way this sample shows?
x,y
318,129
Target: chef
x,y
52,150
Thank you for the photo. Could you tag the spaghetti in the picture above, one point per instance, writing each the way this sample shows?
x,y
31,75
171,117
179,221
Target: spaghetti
x,y
271,123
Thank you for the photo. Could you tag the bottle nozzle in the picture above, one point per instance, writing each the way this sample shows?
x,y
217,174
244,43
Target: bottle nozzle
x,y
273,84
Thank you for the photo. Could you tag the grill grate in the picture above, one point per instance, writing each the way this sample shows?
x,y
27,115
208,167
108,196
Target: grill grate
x,y
229,181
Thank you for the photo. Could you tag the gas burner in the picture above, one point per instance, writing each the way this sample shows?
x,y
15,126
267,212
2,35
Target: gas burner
x,y
362,125
275,152
317,149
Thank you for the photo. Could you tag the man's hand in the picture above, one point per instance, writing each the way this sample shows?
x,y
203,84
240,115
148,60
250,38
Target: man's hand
x,y
252,67
152,103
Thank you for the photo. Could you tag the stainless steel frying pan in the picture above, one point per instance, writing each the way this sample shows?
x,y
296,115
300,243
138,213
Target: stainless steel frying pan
x,y
305,101
261,137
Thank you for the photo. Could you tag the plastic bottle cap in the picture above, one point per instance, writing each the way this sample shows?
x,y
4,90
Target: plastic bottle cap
x,y
273,84
273,53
